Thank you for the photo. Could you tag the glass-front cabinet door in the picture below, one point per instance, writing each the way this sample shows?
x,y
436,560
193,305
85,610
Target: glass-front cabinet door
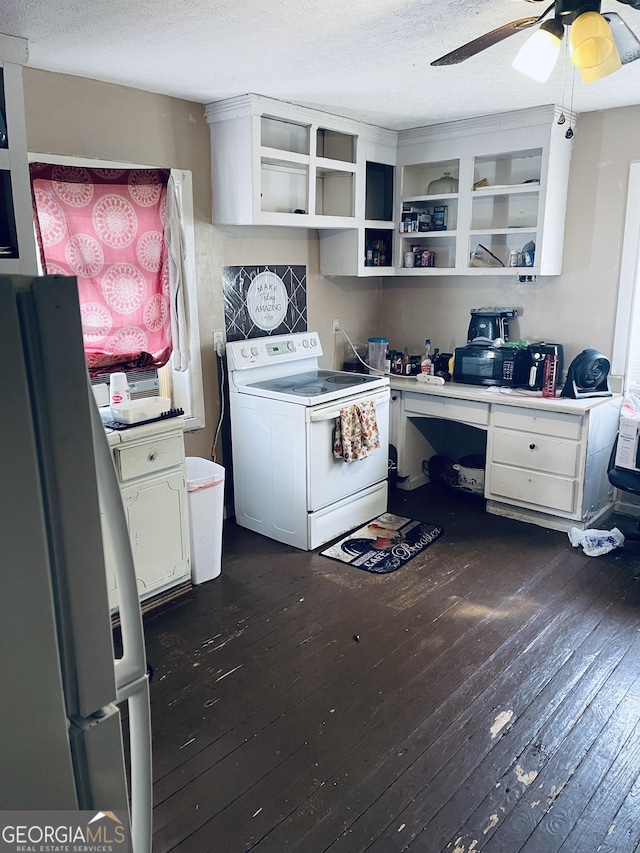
x,y
17,241
8,235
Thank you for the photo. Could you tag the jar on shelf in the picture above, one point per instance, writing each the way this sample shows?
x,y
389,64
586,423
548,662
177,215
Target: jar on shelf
x,y
408,259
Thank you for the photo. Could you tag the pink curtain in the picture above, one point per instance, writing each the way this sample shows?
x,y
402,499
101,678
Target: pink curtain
x,y
106,227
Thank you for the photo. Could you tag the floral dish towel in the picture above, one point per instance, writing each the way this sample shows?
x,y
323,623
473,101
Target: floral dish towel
x,y
356,432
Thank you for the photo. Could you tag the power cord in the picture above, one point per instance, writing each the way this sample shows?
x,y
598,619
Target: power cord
x,y
221,358
357,355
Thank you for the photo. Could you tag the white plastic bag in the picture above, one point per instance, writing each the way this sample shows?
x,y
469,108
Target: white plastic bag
x,y
596,542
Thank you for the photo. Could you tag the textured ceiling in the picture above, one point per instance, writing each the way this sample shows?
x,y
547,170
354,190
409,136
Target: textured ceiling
x,y
366,59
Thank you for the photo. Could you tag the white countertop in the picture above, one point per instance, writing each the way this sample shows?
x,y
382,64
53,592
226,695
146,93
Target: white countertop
x,y
135,433
502,395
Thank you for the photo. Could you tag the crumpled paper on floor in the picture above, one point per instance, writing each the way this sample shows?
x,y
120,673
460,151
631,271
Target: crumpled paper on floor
x,y
596,542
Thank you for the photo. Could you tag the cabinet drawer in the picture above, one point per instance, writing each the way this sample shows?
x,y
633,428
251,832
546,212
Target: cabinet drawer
x,y
544,492
465,411
537,452
149,456
559,424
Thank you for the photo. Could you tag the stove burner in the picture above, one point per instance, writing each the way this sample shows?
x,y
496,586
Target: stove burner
x,y
308,390
351,379
278,384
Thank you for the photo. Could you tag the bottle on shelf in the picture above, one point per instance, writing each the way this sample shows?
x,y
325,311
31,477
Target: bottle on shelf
x,y
387,360
369,256
406,362
426,365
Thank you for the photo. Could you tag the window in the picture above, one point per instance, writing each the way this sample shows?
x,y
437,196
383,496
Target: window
x,y
183,386
107,227
626,345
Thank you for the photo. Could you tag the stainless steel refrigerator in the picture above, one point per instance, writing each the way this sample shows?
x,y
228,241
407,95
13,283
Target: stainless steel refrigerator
x,y
62,686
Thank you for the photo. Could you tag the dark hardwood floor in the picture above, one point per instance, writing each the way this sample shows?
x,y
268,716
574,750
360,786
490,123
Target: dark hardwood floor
x,y
485,697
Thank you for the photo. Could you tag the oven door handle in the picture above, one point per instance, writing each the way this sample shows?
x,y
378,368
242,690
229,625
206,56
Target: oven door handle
x,y
333,413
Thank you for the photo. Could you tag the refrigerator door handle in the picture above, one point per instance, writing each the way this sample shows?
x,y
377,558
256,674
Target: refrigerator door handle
x,y
137,696
132,665
132,683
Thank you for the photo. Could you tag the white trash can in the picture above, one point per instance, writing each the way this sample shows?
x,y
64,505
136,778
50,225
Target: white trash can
x,y
205,488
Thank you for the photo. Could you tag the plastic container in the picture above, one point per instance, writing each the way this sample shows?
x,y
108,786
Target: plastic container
x,y
145,409
205,488
376,353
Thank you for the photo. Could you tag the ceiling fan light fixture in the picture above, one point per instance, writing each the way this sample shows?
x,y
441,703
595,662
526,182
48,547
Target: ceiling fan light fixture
x,y
537,57
612,63
591,40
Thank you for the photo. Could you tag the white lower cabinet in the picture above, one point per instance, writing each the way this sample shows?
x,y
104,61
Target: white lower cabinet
x,y
550,466
156,510
546,459
151,474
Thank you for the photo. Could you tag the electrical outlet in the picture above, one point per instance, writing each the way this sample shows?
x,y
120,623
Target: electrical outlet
x,y
218,341
335,324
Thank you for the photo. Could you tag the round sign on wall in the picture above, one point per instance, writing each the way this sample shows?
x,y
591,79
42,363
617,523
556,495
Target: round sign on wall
x,y
267,300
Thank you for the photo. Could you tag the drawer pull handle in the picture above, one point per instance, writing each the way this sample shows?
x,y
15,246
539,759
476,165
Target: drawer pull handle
x,y
532,447
153,456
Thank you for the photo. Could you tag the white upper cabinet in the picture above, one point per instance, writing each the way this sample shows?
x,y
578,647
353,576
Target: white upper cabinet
x,y
275,163
484,196
17,241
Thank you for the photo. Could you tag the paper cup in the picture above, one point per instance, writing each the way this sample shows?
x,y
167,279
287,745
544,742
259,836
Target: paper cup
x,y
119,389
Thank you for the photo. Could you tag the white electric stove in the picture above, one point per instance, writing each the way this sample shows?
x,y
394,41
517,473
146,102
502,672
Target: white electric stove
x,y
287,483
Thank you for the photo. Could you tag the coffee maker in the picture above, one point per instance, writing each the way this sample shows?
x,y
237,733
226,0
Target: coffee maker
x,y
488,324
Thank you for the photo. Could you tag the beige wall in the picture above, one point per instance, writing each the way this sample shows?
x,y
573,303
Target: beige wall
x,y
576,308
74,116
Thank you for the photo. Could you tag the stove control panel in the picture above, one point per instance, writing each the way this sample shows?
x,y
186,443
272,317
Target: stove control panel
x,y
273,350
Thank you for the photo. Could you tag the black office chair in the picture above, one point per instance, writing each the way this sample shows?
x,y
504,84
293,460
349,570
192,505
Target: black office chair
x,y
627,481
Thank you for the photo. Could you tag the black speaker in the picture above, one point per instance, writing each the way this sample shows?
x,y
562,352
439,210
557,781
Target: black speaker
x,y
588,376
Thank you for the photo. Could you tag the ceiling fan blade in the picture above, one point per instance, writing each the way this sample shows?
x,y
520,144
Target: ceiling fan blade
x,y
485,41
624,38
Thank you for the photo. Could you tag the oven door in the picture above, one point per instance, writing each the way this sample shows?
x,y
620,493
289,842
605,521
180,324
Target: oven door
x,y
330,479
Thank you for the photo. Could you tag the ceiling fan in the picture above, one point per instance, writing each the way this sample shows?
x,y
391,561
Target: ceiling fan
x,y
600,42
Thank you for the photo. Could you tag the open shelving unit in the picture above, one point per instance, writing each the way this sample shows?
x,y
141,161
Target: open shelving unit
x,y
509,195
305,175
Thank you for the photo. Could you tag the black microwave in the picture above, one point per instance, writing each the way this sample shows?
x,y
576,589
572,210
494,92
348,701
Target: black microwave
x,y
478,365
